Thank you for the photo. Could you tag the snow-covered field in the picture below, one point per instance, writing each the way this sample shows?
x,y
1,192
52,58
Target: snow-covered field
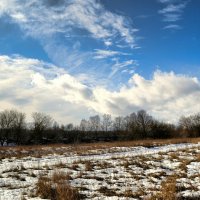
x,y
109,173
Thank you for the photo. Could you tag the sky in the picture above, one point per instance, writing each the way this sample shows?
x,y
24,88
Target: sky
x,y
75,58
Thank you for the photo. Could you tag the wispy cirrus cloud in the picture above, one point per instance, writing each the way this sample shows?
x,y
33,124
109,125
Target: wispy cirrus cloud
x,y
122,66
173,27
165,1
101,54
44,18
169,1
172,13
171,8
49,20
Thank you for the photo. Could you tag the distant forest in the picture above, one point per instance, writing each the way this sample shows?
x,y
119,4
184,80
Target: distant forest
x,y
14,130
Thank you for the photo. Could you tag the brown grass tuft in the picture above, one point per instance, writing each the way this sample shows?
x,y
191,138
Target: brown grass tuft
x,y
88,166
168,190
56,188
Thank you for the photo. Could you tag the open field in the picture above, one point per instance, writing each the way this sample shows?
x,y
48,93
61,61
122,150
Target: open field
x,y
151,169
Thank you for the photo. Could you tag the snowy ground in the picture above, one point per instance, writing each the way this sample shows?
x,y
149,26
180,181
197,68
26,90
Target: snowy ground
x,y
112,173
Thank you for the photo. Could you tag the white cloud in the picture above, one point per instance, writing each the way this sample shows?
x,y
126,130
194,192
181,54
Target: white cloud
x,y
119,66
70,58
164,1
171,17
44,18
101,54
172,12
172,26
31,85
169,1
59,24
108,43
173,8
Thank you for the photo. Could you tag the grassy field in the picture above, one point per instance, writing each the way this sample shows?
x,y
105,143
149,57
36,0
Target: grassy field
x,y
150,169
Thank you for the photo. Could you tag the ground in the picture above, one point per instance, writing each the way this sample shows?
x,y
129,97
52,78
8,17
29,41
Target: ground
x,y
119,171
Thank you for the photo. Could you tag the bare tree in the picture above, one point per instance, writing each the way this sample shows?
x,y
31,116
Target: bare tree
x,y
84,125
19,126
196,122
6,124
186,125
69,127
95,123
190,125
7,118
106,122
41,122
127,123
12,124
56,126
118,123
144,122
133,125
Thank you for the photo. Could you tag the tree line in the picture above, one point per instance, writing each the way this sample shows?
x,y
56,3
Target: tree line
x,y
14,129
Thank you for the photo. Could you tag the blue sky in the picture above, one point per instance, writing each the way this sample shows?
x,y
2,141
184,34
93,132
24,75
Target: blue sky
x,y
100,56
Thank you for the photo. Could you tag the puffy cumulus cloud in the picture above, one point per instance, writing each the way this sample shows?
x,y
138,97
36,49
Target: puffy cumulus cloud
x,y
166,96
48,17
31,85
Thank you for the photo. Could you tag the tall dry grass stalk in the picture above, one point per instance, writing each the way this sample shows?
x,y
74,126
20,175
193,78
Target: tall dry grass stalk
x,y
168,190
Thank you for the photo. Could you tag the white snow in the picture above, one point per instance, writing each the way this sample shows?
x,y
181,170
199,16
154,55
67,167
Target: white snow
x,y
138,169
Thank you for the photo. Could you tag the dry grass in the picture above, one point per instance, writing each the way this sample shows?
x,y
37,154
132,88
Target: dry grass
x,y
61,176
74,167
128,193
60,165
44,188
82,149
183,165
103,165
124,173
107,192
126,164
88,166
56,188
174,156
198,158
168,190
